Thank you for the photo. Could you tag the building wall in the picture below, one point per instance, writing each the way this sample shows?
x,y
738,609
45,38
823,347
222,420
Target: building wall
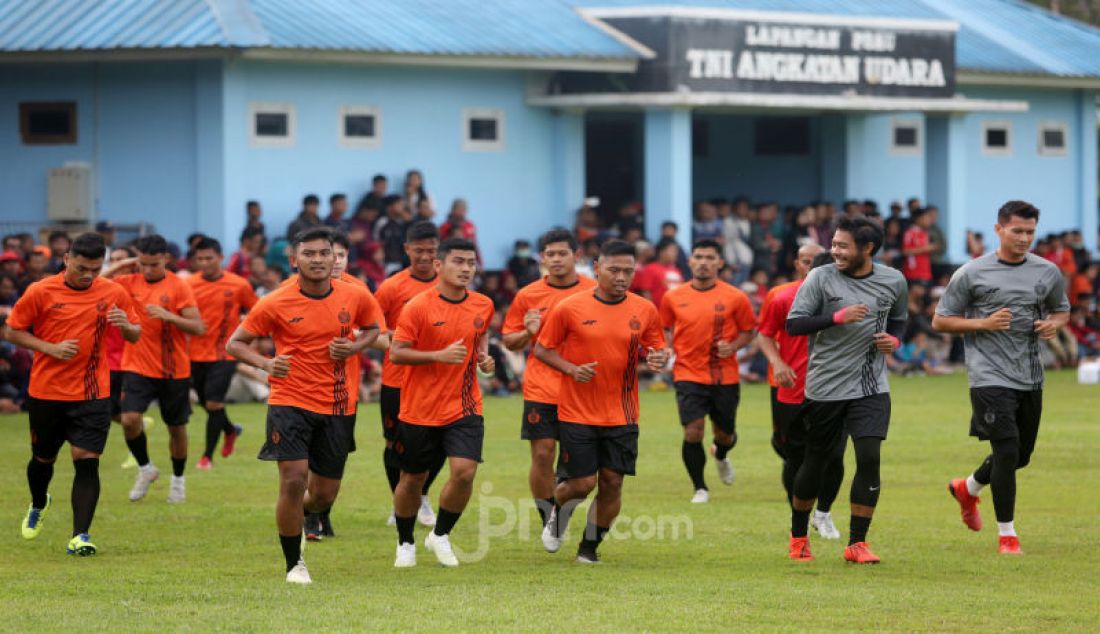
x,y
135,125
512,193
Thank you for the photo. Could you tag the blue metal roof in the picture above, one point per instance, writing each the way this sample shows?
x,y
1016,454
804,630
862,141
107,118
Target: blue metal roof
x,y
1000,36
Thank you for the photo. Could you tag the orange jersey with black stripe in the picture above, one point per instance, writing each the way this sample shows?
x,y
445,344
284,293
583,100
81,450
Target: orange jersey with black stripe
x,y
436,394
540,381
302,326
699,319
54,311
162,350
764,309
393,293
582,329
222,301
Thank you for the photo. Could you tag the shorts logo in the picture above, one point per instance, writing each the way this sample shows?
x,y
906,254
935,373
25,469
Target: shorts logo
x,y
344,316
388,422
634,323
990,417
294,320
533,417
34,438
275,437
718,308
565,457
479,323
398,447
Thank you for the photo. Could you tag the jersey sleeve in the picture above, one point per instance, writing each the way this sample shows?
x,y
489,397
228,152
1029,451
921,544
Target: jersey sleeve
x,y
809,300
385,300
742,312
247,296
666,314
653,336
513,320
555,327
900,309
370,313
1056,299
409,324
260,320
185,297
26,310
123,300
490,310
956,296
772,319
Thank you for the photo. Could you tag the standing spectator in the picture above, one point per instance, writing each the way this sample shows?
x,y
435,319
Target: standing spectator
x,y
414,192
390,231
375,197
663,275
35,267
915,247
337,208
251,245
766,238
59,242
256,270
588,221
523,267
373,264
306,218
913,205
361,230
253,212
424,210
669,231
629,219
891,242
106,228
707,225
737,234
937,239
975,244
1075,242
456,219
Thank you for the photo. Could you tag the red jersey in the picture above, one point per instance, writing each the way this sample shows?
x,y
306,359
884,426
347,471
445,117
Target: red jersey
x,y
392,296
162,351
793,350
916,267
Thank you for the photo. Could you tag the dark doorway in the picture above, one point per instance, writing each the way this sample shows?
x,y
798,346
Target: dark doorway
x,y
613,160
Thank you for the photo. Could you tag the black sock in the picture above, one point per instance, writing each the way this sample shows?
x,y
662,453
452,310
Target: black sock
x,y
445,521
177,466
694,459
227,425
85,493
213,432
432,473
139,447
857,530
800,522
292,549
405,529
721,450
544,506
593,535
39,475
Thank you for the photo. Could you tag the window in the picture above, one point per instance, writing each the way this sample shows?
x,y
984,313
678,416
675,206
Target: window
x,y
360,126
905,137
997,138
271,125
1052,139
48,123
700,138
781,136
482,129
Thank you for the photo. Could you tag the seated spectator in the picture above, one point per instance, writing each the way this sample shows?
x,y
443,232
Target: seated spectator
x,y
390,232
707,224
59,242
257,268
34,268
457,219
1082,287
414,193
670,231
629,219
915,356
975,244
9,292
251,245
523,267
273,278
306,218
250,384
425,210
11,264
373,264
1086,331
337,209
379,187
253,212
278,255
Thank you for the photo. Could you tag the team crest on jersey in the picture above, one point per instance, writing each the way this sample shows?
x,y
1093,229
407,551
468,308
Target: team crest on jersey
x,y
227,294
478,322
719,307
344,316
1041,290
883,302
635,324
165,300
101,306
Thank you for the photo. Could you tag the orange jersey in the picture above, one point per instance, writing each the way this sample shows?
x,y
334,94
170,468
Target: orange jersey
x,y
221,300
56,312
302,327
540,381
772,292
392,295
699,319
436,394
583,329
161,353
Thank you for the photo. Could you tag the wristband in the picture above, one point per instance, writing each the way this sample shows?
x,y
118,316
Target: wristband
x,y
838,316
897,344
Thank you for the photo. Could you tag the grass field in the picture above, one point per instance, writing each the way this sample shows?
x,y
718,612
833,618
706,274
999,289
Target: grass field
x,y
214,563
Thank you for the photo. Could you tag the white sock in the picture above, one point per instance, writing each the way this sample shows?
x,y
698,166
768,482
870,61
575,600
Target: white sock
x,y
973,486
819,515
1006,529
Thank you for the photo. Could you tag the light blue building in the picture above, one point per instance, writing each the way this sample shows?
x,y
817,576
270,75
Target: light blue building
x,y
176,112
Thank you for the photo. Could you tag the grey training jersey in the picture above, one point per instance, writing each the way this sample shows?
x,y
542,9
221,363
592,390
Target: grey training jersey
x,y
1032,290
844,363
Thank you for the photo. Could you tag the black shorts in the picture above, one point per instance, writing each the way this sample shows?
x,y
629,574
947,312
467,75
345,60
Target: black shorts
x,y
211,379
389,402
540,420
116,392
585,449
826,422
788,432
173,395
297,434
698,400
1001,412
82,424
421,447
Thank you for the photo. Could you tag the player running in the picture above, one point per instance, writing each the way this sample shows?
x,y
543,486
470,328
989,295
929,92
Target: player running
x,y
1003,303
789,356
158,366
421,245
596,339
854,311
558,250
223,296
440,337
63,320
708,321
318,325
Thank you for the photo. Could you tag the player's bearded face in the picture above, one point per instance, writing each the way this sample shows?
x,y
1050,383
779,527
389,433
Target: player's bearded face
x,y
153,267
559,259
845,253
704,263
458,268
614,273
80,272
314,260
1017,235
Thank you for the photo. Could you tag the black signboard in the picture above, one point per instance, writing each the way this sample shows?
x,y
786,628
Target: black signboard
x,y
760,55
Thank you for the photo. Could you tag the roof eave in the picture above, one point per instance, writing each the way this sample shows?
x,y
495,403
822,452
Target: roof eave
x,y
510,62
1024,80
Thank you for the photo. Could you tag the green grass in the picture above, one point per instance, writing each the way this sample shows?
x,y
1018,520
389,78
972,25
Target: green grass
x,y
214,562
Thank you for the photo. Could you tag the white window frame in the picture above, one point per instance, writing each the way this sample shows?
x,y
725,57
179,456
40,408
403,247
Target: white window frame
x,y
374,141
907,150
1045,150
258,107
477,145
997,151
